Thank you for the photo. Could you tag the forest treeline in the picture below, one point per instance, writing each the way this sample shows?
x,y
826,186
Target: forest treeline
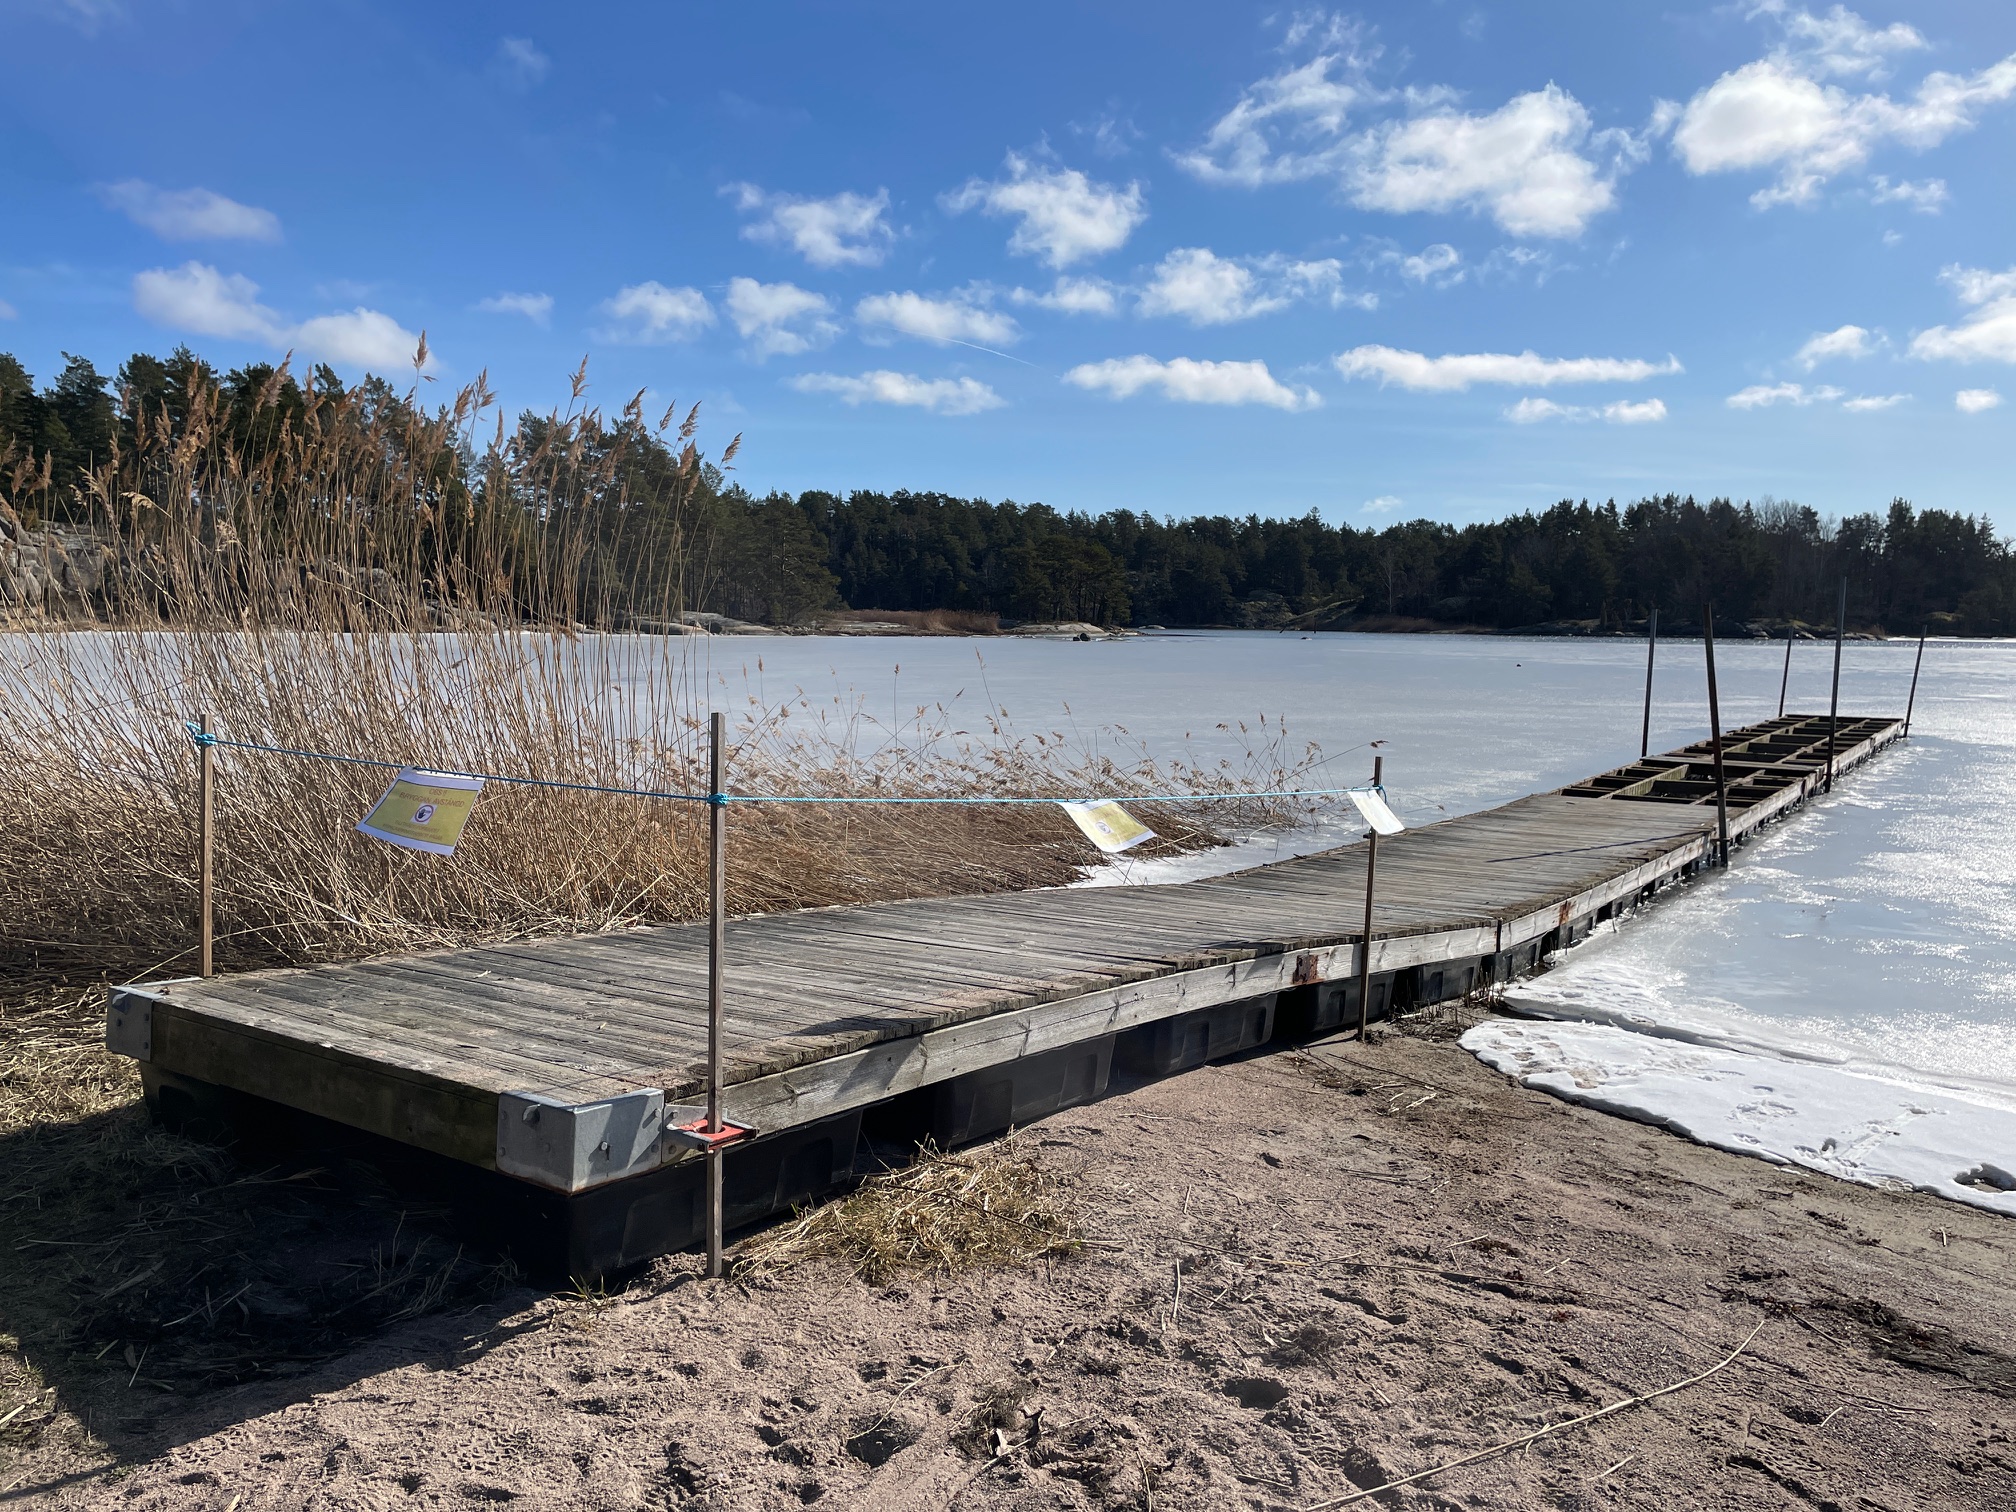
x,y
645,521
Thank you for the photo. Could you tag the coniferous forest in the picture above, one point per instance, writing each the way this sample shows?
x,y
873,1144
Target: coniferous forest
x,y
74,448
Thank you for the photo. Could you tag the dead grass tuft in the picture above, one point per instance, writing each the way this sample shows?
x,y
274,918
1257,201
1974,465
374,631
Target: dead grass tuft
x,y
990,1206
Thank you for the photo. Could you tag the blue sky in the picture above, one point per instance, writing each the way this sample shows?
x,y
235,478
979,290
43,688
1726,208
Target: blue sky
x,y
1444,260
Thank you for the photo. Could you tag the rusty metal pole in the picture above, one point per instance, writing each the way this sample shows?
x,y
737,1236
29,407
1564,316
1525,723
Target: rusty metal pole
x,y
717,913
206,847
1912,702
1651,650
1365,945
1785,680
1834,699
1715,736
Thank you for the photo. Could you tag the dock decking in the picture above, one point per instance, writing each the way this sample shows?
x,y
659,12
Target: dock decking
x,y
558,1063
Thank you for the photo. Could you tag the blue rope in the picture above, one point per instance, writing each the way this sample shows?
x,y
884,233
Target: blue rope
x,y
200,738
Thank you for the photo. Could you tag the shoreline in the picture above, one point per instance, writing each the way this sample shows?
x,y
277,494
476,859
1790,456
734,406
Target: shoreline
x,y
1408,1258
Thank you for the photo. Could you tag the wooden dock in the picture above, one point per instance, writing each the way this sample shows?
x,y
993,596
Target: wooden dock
x,y
555,1067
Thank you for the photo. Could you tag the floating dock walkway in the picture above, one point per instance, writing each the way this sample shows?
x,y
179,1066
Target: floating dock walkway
x,y
542,1076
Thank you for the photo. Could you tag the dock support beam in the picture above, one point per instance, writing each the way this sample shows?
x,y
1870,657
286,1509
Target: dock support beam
x,y
1715,737
1912,702
1651,650
717,916
1834,699
1365,944
206,848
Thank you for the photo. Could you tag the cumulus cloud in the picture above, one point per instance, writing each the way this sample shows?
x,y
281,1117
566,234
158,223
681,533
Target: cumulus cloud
x,y
1927,198
198,299
1062,216
1976,401
649,314
1851,341
537,308
1764,395
1197,285
1458,371
1535,165
1192,382
1988,334
1441,262
958,319
1073,296
1781,113
842,230
1862,403
1384,504
1622,412
941,396
190,214
780,319
520,64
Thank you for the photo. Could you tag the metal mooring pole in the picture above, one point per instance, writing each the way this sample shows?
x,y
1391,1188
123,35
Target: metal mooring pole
x,y
1365,945
717,913
1834,699
1651,650
1911,702
1715,736
1785,680
206,846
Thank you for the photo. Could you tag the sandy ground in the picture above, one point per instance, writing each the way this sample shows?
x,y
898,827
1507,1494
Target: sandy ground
x,y
1309,1272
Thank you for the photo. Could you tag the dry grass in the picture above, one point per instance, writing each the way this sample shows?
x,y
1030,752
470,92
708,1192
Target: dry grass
x,y
921,621
994,1205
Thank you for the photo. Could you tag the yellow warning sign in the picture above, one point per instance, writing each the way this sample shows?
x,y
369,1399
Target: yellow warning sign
x,y
1106,824
423,811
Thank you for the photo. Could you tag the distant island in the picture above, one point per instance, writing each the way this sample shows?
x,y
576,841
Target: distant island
x,y
103,480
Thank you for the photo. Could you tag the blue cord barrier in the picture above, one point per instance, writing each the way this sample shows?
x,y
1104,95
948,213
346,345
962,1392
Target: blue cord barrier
x,y
200,738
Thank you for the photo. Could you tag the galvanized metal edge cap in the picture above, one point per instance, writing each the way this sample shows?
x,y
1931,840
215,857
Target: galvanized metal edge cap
x,y
570,1147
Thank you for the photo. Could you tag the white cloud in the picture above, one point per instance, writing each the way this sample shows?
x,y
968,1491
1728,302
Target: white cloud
x,y
198,299
959,319
941,396
537,308
1976,401
1533,165
519,63
1764,395
1622,412
190,214
1203,288
1384,504
1432,262
1064,216
1074,296
1847,341
1458,371
842,230
1862,403
779,319
1926,198
1192,382
1779,113
1988,334
360,338
649,314
1522,164
8,312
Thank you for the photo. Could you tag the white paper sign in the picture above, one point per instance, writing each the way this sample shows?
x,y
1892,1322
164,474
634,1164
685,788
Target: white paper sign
x,y
1107,825
1372,804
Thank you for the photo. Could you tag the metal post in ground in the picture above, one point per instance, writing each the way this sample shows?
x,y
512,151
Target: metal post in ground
x,y
1834,699
717,913
1912,702
1715,737
1785,680
206,846
1365,944
1651,650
